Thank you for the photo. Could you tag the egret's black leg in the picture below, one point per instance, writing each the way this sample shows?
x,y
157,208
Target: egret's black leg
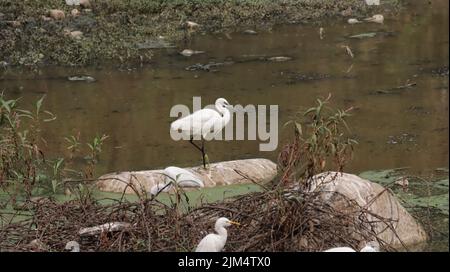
x,y
202,149
203,153
196,146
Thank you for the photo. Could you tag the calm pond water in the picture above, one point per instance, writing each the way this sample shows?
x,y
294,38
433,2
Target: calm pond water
x,y
395,127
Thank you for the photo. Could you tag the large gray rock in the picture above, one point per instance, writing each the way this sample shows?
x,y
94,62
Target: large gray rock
x,y
379,202
222,173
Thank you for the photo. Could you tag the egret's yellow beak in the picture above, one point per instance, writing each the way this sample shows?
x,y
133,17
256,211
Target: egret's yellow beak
x,y
235,223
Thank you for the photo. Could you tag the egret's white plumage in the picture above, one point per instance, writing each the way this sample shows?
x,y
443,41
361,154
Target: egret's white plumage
x,y
182,177
216,242
204,124
340,249
201,123
372,246
73,246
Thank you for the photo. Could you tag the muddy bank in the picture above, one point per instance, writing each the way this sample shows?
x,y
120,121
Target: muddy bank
x,y
31,34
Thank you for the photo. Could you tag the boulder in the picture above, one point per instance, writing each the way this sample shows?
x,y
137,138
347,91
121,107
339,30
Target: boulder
x,y
222,173
382,206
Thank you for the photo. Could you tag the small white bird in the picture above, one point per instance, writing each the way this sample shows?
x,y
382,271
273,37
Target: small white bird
x,y
372,246
353,21
73,246
182,177
204,124
377,18
216,242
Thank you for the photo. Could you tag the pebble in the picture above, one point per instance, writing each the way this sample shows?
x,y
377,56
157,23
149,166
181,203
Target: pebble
x,y
85,4
75,12
76,34
191,24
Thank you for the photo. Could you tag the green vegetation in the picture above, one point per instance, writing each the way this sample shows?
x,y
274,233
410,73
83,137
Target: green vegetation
x,y
419,193
25,171
321,143
115,30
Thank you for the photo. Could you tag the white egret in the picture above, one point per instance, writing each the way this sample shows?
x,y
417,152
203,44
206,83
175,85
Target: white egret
x,y
377,18
73,246
372,246
216,242
182,177
204,123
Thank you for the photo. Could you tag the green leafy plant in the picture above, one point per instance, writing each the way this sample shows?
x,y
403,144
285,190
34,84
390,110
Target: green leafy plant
x,y
24,169
320,143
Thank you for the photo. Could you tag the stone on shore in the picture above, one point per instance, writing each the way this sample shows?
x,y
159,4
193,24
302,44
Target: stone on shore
x,y
222,173
379,202
56,14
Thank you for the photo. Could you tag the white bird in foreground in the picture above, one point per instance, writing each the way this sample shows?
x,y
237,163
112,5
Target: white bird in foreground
x,y
370,247
182,177
73,246
216,242
377,18
204,124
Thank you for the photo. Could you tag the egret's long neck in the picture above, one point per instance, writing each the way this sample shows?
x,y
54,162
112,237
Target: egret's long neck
x,y
225,114
222,232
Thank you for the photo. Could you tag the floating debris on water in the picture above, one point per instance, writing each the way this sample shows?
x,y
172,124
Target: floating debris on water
x,y
402,139
81,78
190,52
364,35
250,32
294,77
395,90
348,50
154,44
377,18
353,21
208,67
279,59
440,71
321,32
